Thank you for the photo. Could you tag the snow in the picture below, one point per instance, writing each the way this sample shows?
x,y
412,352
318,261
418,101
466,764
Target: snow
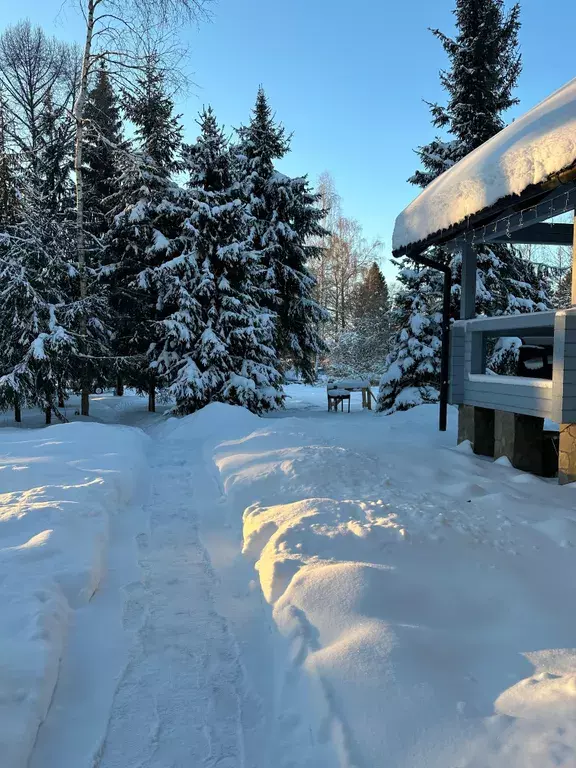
x,y
309,589
350,383
59,487
531,149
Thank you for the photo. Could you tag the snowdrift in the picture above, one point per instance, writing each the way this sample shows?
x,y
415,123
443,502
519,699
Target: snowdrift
x,y
421,594
58,487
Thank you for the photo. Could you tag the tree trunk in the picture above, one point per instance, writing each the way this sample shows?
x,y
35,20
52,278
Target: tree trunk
x,y
61,400
80,238
48,412
17,413
119,386
152,397
85,403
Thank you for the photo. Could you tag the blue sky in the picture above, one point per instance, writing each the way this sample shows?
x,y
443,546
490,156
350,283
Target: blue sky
x,y
348,79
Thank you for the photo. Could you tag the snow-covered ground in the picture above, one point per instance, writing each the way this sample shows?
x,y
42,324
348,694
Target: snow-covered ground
x,y
308,589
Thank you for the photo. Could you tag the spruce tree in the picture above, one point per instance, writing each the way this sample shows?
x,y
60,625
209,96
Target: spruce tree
x,y
55,190
563,294
412,367
217,341
286,219
103,143
145,225
46,332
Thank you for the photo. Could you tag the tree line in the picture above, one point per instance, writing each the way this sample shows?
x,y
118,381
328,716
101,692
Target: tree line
x,y
353,291
128,257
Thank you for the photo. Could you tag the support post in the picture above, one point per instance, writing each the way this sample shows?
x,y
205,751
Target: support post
x,y
445,359
468,283
477,426
521,439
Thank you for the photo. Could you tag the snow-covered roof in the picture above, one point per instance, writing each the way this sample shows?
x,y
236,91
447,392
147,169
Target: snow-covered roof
x,y
536,146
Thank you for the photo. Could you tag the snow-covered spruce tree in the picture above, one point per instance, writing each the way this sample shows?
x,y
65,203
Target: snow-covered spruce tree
x,y
103,143
46,332
484,69
412,368
145,225
286,218
563,294
217,340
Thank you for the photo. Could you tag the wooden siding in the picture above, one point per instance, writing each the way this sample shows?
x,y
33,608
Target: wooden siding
x,y
564,407
533,397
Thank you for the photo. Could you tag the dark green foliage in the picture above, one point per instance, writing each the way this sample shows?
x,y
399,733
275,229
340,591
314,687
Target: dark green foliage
x,y
217,341
103,144
286,219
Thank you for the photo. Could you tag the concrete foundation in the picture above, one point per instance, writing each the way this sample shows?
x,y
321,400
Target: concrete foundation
x,y
520,439
567,454
477,426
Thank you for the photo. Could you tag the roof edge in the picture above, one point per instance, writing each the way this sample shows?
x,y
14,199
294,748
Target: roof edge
x,y
512,203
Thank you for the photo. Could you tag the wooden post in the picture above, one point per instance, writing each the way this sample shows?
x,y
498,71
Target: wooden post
x,y
468,283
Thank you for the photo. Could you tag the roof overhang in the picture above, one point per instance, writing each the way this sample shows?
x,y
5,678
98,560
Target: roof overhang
x,y
510,216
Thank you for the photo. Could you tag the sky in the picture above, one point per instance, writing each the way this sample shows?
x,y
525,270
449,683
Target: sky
x,y
349,81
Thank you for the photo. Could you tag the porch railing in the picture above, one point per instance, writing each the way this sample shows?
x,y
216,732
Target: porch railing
x,y
472,385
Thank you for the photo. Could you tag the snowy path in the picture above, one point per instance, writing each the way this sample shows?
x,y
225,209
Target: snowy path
x,y
178,702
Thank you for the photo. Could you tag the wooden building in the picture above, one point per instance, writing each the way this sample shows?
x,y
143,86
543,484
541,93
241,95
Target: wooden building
x,y
512,189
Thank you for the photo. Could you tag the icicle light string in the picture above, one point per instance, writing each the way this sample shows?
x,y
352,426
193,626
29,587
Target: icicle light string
x,y
507,220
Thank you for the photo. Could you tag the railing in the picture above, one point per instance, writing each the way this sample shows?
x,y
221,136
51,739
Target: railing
x,y
470,384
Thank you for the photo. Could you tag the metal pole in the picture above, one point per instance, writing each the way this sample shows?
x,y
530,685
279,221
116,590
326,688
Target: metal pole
x,y
445,360
445,353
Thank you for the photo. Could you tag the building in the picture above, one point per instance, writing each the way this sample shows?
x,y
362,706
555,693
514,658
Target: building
x,y
509,190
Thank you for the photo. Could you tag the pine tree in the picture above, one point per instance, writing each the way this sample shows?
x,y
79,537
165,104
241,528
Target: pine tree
x,y
217,340
286,218
145,226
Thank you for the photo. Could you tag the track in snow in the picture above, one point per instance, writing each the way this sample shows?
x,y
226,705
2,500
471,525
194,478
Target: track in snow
x,y
179,701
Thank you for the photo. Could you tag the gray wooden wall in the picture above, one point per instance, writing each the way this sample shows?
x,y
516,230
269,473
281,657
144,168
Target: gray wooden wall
x,y
470,385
